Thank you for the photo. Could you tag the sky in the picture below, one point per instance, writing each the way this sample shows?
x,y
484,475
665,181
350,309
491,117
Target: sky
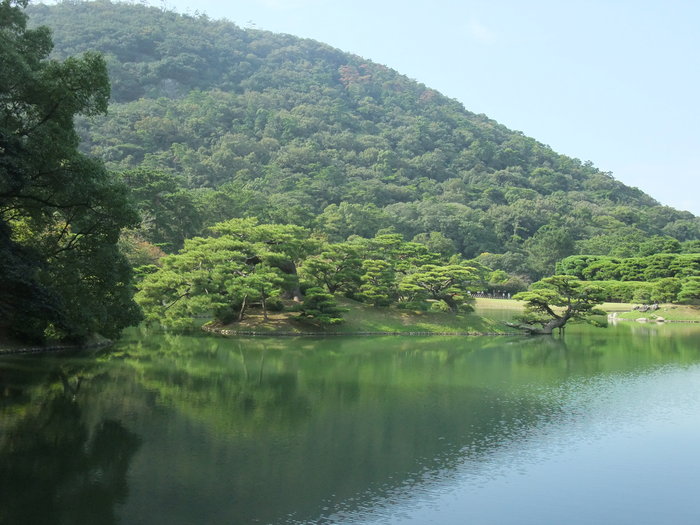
x,y
614,82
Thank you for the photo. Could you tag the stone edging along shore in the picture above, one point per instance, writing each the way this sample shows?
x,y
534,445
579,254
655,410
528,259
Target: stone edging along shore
x,y
664,321
324,334
661,320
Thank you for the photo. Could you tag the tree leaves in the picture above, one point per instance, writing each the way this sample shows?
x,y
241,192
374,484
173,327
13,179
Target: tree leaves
x,y
291,131
63,208
553,301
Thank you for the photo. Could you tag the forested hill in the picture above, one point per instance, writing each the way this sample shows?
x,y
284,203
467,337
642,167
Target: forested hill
x,y
234,122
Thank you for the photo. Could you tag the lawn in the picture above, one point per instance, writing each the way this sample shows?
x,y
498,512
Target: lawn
x,y
669,312
361,318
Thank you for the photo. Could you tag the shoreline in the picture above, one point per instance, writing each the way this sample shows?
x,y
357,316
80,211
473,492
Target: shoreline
x,y
614,316
249,333
647,320
52,348
227,333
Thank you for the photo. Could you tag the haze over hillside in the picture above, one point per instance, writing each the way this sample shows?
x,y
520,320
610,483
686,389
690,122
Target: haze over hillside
x,y
251,123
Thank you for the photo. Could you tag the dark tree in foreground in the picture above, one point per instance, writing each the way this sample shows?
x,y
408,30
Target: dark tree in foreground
x,y
60,212
556,300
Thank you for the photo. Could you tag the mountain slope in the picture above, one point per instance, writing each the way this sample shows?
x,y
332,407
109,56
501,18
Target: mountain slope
x,y
290,130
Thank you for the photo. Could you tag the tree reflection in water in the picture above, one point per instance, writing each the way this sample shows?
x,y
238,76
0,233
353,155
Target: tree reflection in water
x,y
54,467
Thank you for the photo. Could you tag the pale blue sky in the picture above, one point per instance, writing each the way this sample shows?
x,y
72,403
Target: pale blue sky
x,y
613,82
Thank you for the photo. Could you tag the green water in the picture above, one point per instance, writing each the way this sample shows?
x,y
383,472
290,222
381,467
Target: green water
x,y
600,427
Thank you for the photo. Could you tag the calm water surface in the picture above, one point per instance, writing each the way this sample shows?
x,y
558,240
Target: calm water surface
x,y
602,426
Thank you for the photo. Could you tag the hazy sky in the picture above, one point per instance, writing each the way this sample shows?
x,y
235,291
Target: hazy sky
x,y
613,82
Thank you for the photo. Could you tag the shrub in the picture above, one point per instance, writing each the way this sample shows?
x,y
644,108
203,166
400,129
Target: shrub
x,y
319,307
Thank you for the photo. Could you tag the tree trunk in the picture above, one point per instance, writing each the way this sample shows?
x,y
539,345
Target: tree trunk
x,y
264,303
290,268
296,294
450,302
240,314
548,328
545,329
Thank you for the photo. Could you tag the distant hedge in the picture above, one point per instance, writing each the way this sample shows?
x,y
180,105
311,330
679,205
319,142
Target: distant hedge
x,y
661,291
649,268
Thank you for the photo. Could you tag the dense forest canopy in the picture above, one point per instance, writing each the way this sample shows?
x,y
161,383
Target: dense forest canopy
x,y
211,121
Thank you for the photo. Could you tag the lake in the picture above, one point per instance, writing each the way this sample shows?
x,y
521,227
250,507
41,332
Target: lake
x,y
601,426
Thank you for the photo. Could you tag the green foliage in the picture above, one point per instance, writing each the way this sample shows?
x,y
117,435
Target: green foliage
x,y
659,244
287,243
553,301
26,306
548,245
246,262
222,276
60,212
254,124
690,246
646,292
690,290
510,262
338,268
436,242
626,291
138,251
446,284
500,280
440,306
167,210
319,307
649,268
666,290
341,221
378,282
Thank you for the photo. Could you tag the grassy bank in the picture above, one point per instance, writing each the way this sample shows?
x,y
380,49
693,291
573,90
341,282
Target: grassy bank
x,y
361,319
489,318
495,305
616,307
668,312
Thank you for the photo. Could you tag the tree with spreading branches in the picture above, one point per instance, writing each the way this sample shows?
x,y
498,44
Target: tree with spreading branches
x,y
554,301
